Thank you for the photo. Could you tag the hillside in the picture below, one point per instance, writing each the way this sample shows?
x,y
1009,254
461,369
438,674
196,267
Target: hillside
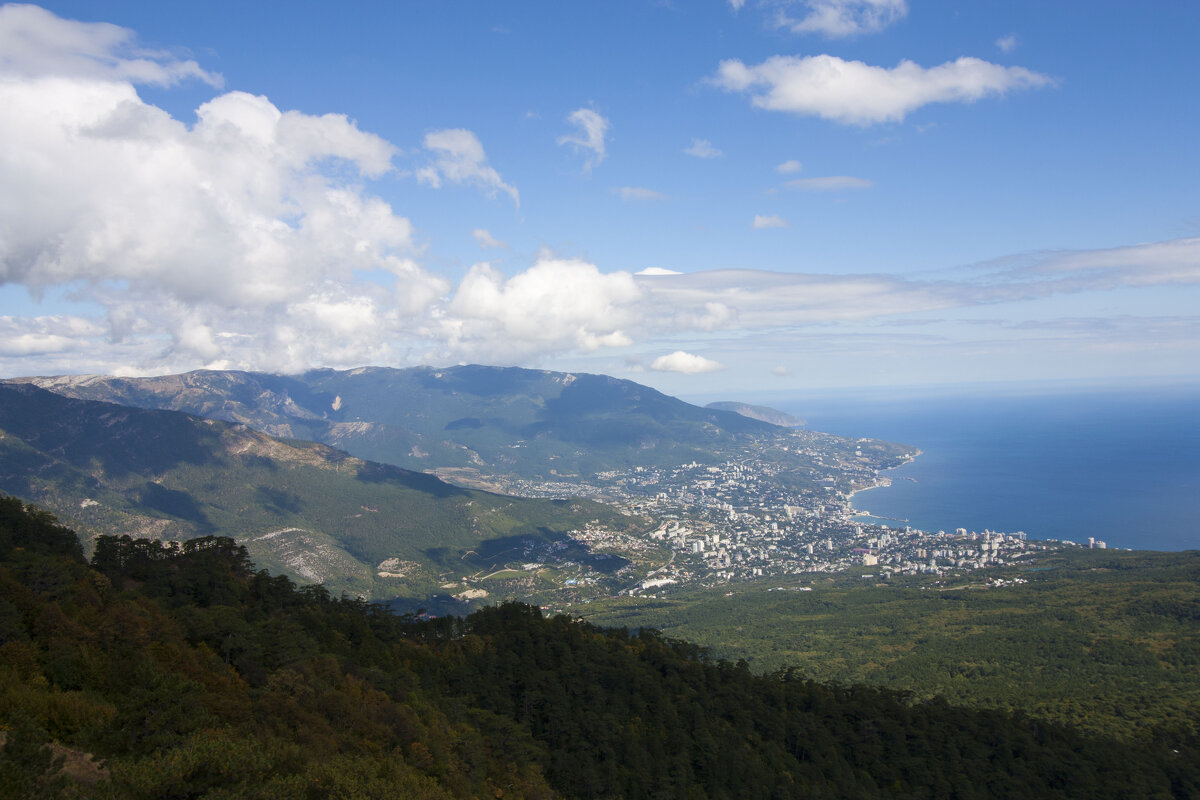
x,y
188,674
761,413
1105,640
520,423
303,509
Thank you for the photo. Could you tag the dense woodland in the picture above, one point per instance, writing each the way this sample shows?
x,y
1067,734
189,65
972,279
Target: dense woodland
x,y
1106,641
185,673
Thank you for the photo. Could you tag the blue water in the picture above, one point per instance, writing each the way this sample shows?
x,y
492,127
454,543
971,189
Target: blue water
x,y
1120,466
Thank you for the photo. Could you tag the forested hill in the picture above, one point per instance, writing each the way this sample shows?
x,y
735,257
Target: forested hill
x,y
527,423
188,674
304,508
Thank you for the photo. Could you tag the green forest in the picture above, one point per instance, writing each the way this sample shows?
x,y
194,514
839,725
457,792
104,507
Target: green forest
x,y
1106,641
178,670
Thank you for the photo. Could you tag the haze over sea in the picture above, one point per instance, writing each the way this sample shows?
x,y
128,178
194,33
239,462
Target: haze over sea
x,y
1120,465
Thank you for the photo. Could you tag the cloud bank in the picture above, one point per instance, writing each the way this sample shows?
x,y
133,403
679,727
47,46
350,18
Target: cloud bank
x,y
250,237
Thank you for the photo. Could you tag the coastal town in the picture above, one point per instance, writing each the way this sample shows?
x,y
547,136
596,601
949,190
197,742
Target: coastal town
x,y
781,508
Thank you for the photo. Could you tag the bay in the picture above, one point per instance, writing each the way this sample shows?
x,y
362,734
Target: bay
x,y
1117,465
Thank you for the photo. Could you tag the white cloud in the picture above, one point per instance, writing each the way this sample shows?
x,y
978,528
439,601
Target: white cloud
x,y
780,371
761,222
486,241
41,336
789,167
248,240
557,305
239,208
759,300
592,128
629,193
703,148
736,5
687,363
1007,43
36,43
242,238
657,271
459,158
755,299
1154,264
31,344
829,183
841,18
855,93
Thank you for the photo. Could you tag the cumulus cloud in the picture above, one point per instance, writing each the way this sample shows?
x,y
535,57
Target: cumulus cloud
x,y
557,305
829,183
40,336
459,158
789,167
637,193
247,239
687,363
761,222
703,148
591,128
36,43
1007,43
856,93
195,241
841,18
486,241
238,208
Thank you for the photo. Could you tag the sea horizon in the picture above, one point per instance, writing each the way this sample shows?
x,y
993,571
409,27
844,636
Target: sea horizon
x,y
1117,464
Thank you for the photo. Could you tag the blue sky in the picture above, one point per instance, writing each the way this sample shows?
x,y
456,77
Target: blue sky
x,y
706,197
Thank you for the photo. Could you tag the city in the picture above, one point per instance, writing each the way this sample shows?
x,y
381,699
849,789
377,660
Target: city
x,y
781,508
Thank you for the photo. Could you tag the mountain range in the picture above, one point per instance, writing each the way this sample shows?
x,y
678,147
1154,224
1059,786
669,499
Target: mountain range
x,y
301,508
469,422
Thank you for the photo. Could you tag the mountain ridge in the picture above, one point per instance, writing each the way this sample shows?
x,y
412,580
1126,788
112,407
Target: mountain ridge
x,y
525,423
304,508
761,413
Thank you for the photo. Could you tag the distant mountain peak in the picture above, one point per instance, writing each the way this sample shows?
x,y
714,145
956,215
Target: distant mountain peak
x,y
761,413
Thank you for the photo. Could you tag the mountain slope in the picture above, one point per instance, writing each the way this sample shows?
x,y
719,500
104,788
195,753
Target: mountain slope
x,y
188,674
301,508
523,423
762,413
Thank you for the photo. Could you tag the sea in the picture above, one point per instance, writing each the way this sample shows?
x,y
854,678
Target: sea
x,y
1116,465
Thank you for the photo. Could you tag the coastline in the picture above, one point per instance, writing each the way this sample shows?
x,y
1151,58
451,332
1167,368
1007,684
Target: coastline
x,y
1119,466
882,482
